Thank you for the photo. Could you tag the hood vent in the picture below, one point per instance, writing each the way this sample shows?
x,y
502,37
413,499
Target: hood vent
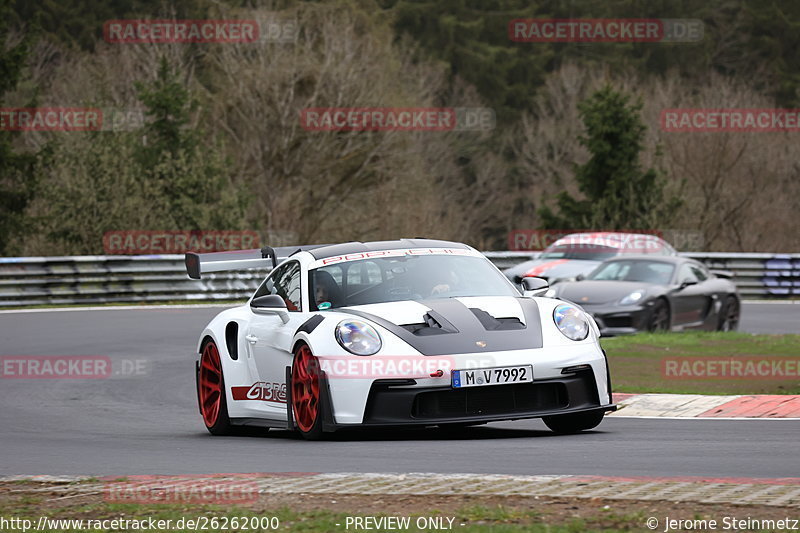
x,y
435,324
491,323
462,332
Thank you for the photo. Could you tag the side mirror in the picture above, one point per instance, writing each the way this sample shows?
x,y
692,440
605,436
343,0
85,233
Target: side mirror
x,y
686,283
271,304
532,286
580,277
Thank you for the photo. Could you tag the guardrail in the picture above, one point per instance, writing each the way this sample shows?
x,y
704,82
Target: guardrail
x,y
130,279
756,275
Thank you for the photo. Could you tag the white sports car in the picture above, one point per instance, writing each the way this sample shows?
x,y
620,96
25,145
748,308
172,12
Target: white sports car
x,y
396,333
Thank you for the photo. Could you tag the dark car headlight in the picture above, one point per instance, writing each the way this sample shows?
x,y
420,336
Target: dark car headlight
x,y
634,298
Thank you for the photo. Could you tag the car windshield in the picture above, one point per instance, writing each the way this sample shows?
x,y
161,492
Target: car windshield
x,y
579,251
406,277
656,272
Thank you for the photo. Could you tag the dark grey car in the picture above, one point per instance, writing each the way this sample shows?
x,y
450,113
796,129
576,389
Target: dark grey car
x,y
645,293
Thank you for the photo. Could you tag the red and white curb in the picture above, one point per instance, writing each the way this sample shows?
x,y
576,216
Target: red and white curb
x,y
703,406
784,492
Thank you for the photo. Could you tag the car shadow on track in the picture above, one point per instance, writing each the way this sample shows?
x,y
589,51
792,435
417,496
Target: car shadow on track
x,y
415,434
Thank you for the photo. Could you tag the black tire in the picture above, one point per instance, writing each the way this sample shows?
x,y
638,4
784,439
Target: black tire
x,y
659,317
574,423
729,314
211,392
307,394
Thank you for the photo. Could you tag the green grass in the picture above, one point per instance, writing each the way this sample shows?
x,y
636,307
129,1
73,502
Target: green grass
x,y
636,361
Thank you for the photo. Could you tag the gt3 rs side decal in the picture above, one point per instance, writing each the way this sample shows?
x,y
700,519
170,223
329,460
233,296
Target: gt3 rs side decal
x,y
266,392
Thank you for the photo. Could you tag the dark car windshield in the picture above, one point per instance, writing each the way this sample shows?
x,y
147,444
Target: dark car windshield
x,y
407,277
578,251
656,272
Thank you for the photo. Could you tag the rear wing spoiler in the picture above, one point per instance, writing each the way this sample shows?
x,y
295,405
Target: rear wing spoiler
x,y
727,274
266,257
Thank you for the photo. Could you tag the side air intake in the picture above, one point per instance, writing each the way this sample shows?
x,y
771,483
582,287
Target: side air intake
x,y
231,339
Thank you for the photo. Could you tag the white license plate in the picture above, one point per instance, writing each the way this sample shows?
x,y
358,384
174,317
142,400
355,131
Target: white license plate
x,y
480,377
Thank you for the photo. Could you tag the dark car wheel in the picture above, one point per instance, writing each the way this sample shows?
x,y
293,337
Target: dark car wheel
x,y
575,423
729,314
659,318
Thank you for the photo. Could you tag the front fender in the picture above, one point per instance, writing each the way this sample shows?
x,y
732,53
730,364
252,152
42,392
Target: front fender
x,y
233,353
348,393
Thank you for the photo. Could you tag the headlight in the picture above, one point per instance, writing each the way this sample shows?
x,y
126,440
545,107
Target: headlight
x,y
632,298
358,337
571,322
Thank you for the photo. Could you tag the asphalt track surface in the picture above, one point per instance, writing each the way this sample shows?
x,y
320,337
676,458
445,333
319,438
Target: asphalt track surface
x,y
149,424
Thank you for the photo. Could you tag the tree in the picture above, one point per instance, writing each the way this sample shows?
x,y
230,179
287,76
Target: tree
x,y
472,39
17,169
618,194
329,186
184,170
166,175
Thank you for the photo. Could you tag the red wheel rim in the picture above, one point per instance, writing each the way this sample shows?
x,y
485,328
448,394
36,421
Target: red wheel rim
x,y
210,384
305,389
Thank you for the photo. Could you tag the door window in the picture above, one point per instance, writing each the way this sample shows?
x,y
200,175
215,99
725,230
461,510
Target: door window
x,y
285,282
699,272
686,273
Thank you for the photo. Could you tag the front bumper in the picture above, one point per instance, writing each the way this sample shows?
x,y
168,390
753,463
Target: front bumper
x,y
357,400
394,404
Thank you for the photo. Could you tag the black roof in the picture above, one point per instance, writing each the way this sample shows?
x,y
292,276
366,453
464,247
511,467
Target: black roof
x,y
332,250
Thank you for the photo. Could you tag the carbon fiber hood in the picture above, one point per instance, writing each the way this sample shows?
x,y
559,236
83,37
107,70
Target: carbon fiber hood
x,y
447,326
